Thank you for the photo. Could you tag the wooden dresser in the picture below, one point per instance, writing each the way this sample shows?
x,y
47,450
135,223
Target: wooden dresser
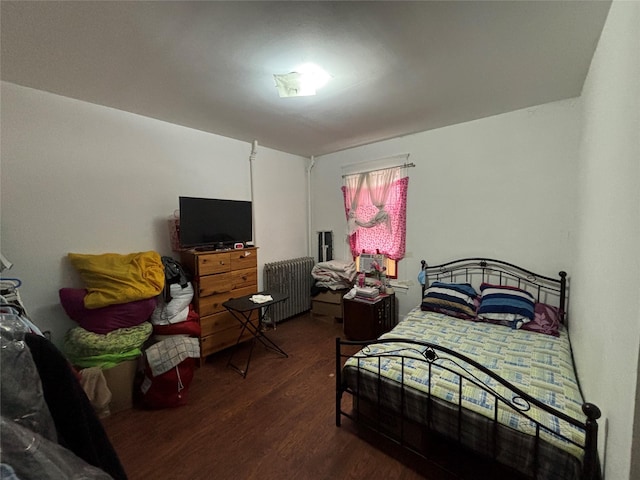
x,y
219,276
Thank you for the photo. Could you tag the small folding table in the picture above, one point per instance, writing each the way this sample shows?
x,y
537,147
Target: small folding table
x,y
242,308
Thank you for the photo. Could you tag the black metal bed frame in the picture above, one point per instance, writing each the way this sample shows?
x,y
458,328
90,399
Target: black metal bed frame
x,y
466,369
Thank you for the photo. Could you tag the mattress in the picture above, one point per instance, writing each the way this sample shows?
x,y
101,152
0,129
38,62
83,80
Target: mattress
x,y
540,365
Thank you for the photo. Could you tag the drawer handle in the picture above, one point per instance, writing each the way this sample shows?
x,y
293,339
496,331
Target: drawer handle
x,y
221,262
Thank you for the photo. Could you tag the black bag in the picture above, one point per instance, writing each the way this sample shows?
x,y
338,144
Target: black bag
x,y
173,273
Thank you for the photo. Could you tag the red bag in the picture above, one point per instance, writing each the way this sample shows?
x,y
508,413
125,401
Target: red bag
x,y
191,326
169,389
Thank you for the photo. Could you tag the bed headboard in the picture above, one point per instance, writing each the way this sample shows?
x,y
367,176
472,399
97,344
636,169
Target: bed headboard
x,y
475,271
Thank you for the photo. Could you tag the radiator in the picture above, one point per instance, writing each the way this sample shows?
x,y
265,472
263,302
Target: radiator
x,y
293,278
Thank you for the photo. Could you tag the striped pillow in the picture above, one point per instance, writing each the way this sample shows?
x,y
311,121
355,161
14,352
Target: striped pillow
x,y
505,305
454,299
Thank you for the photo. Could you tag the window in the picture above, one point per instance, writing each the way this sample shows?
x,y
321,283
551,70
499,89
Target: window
x,y
390,264
375,206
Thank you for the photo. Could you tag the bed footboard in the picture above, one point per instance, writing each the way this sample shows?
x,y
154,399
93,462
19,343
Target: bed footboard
x,y
536,451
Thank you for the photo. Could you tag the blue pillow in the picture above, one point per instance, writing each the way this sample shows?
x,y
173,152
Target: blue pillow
x,y
454,299
505,305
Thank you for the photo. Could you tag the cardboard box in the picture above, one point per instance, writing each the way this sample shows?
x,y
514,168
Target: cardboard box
x,y
324,308
328,303
120,381
330,296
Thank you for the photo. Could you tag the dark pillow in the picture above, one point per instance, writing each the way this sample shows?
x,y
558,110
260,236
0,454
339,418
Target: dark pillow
x,y
505,305
546,320
106,319
454,299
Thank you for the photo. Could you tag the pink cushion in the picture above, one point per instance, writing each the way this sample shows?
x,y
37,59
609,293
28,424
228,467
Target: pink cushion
x,y
106,319
546,320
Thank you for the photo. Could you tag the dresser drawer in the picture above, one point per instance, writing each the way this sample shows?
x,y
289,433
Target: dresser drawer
x,y
247,277
213,303
212,284
241,259
212,263
217,322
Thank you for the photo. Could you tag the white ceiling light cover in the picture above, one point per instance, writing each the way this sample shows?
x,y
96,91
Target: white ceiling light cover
x,y
303,82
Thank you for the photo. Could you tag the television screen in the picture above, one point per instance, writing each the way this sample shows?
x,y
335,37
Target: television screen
x,y
209,222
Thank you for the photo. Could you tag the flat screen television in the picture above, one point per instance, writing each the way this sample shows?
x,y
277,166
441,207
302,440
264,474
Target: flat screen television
x,y
214,223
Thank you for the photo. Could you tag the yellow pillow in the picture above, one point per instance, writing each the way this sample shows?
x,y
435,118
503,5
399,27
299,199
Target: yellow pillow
x,y
112,278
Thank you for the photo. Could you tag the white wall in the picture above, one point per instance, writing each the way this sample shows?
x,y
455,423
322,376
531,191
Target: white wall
x,y
606,283
78,177
500,187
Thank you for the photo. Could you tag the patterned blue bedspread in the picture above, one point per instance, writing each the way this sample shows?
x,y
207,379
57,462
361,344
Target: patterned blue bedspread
x,y
538,364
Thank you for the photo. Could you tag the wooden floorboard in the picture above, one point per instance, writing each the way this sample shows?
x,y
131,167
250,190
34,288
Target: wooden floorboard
x,y
277,423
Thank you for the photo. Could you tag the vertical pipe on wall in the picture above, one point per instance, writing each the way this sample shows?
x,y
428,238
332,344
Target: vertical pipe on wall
x,y
309,223
252,157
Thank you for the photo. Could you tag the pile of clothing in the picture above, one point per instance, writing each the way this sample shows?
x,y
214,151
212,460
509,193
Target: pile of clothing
x,y
127,298
334,274
170,359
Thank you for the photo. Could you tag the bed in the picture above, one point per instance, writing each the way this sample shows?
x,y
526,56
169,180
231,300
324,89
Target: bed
x,y
483,363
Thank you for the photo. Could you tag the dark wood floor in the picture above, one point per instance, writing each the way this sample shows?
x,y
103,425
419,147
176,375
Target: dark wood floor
x,y
279,422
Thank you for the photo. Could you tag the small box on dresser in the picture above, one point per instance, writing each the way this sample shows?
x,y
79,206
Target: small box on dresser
x,y
219,276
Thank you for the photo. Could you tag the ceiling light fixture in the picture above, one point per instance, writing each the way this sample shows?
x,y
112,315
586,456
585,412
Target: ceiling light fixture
x,y
302,82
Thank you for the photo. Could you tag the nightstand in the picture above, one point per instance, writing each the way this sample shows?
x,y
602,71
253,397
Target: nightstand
x,y
367,320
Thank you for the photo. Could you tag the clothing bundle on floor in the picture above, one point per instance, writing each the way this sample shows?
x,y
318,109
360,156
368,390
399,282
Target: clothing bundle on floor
x,y
125,299
113,310
170,360
334,274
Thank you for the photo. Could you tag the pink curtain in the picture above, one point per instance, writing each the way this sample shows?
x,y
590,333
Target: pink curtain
x,y
389,238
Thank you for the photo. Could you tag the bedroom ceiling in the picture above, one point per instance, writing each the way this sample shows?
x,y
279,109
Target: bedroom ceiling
x,y
398,67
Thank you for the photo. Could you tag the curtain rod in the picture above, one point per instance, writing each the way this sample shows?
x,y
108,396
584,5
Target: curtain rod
x,y
404,165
